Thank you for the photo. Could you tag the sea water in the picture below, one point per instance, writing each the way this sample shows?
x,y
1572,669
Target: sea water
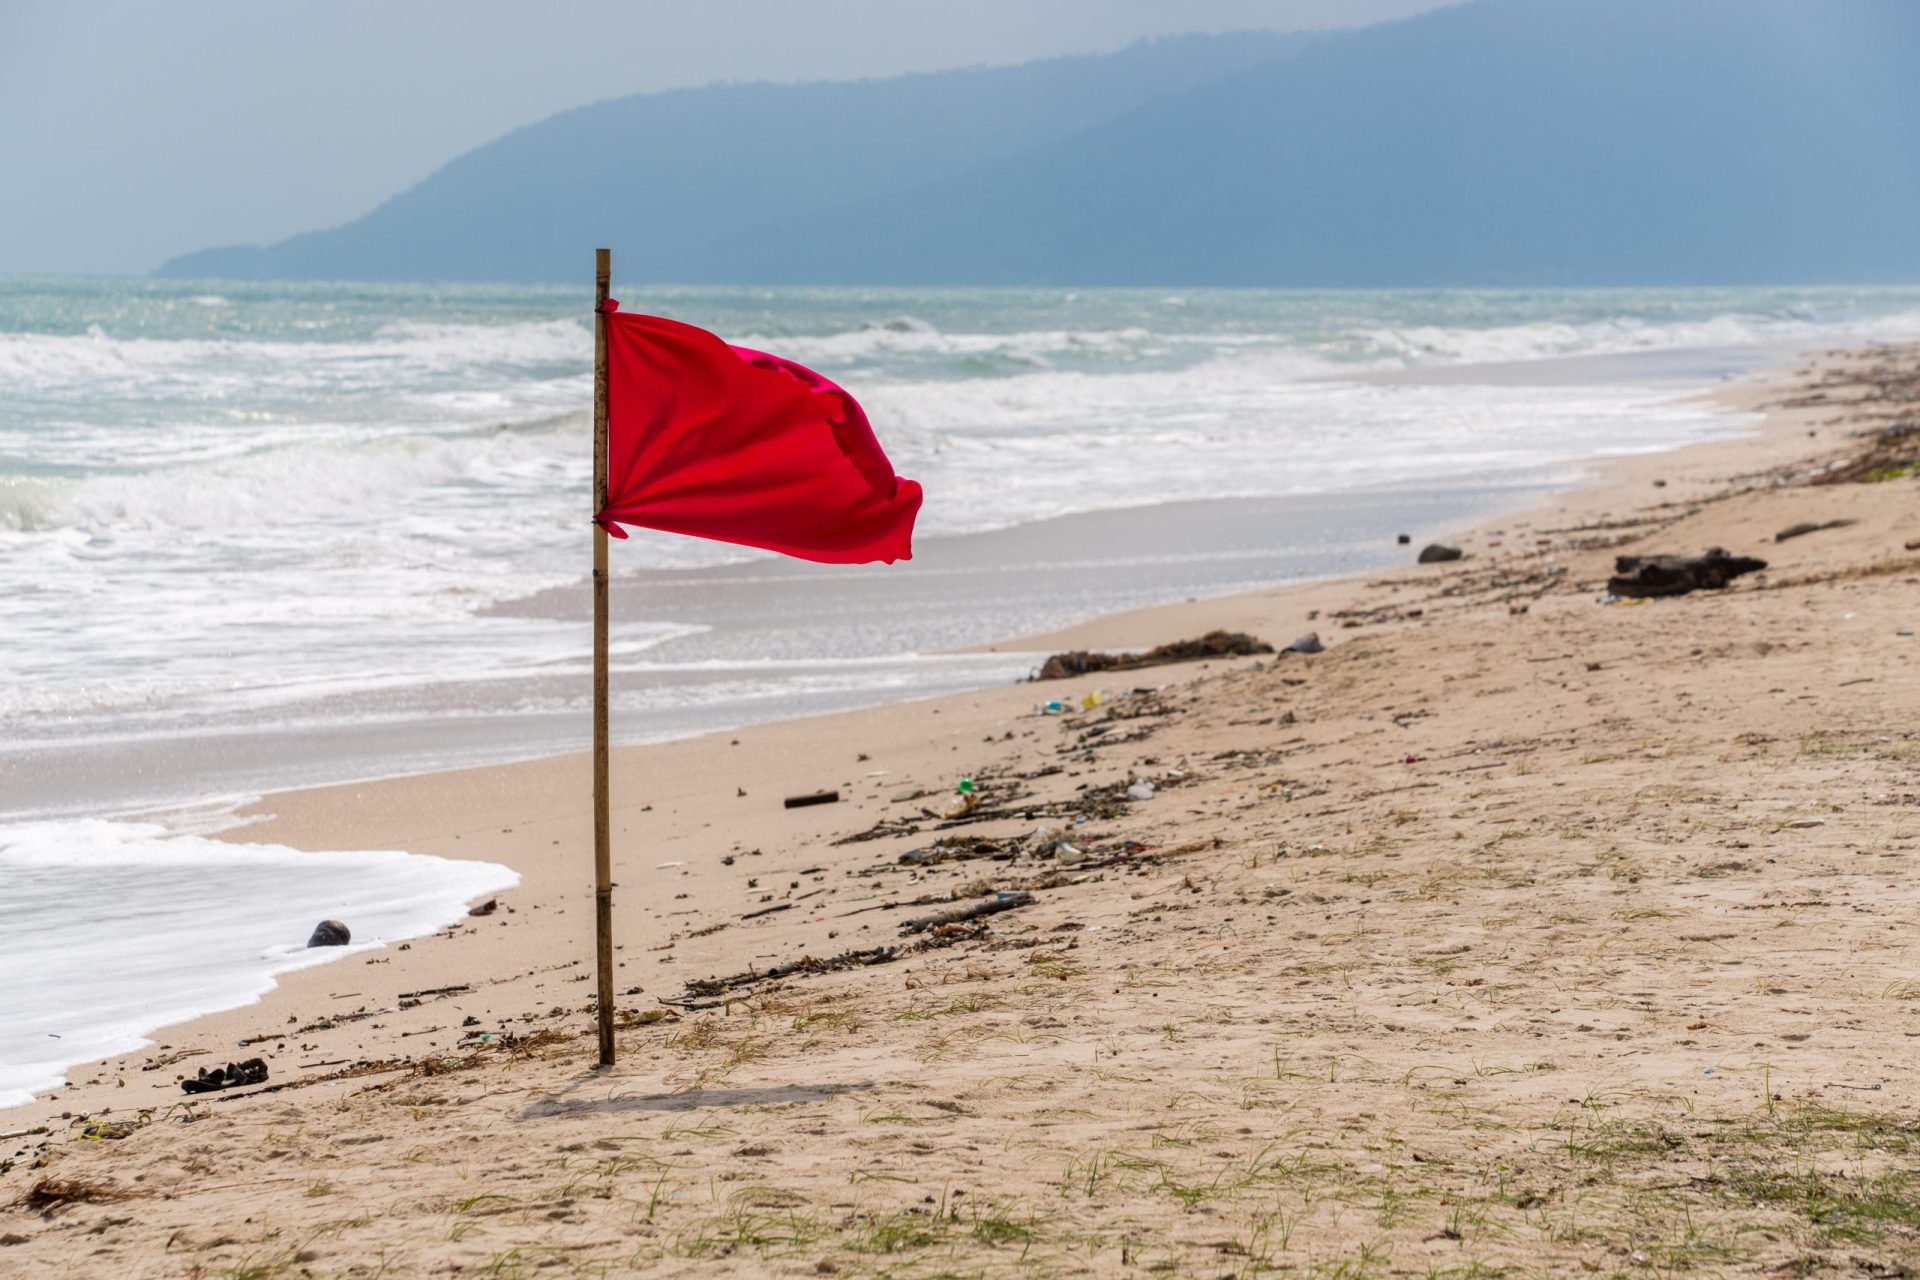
x,y
111,930
265,535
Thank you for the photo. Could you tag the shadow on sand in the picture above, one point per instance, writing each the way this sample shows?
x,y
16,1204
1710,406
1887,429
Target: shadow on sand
x,y
580,1098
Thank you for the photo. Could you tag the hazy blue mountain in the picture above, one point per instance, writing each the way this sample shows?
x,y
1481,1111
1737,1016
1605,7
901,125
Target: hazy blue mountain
x,y
1499,142
1506,142
665,177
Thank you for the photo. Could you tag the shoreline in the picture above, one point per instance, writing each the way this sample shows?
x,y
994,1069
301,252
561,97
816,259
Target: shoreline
x,y
1642,859
297,817
699,650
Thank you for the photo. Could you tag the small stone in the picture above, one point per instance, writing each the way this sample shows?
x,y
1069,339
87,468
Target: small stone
x,y
1308,643
1438,553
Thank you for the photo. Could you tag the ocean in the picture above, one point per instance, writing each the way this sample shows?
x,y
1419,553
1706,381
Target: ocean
x,y
255,536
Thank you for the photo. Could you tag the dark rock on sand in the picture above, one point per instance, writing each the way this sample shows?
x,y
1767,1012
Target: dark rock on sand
x,y
1308,643
1642,576
1438,553
330,933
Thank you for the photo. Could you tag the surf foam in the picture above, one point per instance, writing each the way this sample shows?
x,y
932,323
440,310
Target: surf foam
x,y
110,931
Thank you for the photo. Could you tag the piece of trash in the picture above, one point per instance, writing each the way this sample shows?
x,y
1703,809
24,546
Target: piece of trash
x,y
668,866
1141,790
1439,553
1052,707
1098,698
231,1076
330,933
811,798
1308,643
1405,539
966,804
1046,840
966,787
486,908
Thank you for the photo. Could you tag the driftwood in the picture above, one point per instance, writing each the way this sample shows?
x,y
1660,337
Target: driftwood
x,y
812,798
1677,575
1214,644
806,964
1806,527
959,915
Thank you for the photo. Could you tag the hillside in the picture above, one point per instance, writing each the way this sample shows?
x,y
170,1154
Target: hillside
x,y
670,178
1504,142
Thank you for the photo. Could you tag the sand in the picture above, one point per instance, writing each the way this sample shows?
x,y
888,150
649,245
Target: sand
x,y
1517,931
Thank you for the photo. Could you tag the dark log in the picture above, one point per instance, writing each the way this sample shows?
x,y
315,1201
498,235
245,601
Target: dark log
x,y
1214,644
1644,576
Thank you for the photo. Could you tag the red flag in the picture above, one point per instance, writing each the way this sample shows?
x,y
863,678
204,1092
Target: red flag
x,y
740,446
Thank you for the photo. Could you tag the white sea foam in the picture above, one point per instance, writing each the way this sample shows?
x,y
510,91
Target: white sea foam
x,y
289,502
110,931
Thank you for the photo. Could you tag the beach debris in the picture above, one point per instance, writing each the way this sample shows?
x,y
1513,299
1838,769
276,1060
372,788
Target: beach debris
x,y
1308,643
1214,644
1891,453
700,988
1649,576
49,1194
231,1076
812,798
1807,526
956,849
1046,840
330,933
1405,539
767,911
486,908
1439,553
1913,544
1004,901
967,799
1141,790
424,992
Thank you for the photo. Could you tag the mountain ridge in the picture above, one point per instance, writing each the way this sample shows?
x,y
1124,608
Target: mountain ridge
x,y
1495,143
739,146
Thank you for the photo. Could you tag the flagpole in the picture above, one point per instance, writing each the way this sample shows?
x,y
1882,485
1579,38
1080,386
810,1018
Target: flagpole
x,y
602,822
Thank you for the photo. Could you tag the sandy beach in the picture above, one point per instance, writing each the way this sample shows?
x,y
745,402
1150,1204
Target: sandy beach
x,y
1517,931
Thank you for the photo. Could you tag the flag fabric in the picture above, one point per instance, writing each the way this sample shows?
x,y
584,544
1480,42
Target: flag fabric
x,y
732,444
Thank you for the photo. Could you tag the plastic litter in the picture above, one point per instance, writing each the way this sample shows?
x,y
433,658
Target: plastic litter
x,y
1141,790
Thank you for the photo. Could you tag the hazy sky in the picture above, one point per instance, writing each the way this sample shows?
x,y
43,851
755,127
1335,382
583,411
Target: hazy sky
x,y
132,131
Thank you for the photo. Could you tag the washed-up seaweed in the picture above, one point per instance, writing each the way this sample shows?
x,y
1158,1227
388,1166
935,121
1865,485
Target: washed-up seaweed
x,y
1214,644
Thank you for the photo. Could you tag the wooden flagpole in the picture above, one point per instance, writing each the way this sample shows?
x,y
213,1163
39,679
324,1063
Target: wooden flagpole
x,y
602,822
